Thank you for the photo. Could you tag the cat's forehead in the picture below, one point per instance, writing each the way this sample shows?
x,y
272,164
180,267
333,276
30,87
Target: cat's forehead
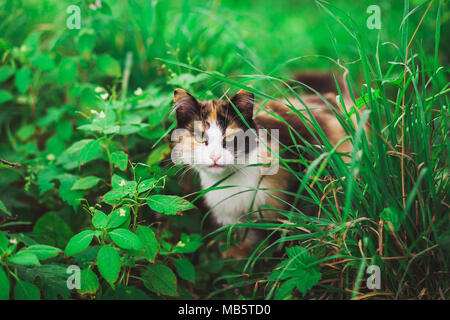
x,y
216,112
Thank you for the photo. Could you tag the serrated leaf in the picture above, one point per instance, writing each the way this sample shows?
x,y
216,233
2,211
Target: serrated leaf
x,y
85,183
169,205
185,269
160,279
108,262
149,242
298,267
285,289
125,239
72,197
26,291
79,242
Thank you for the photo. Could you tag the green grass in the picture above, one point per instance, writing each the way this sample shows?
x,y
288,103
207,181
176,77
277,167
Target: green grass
x,y
387,206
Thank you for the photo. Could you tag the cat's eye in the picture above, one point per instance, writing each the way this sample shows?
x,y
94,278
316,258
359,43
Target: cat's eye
x,y
200,138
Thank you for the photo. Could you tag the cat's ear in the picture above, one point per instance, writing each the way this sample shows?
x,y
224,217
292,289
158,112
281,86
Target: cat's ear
x,y
244,102
186,106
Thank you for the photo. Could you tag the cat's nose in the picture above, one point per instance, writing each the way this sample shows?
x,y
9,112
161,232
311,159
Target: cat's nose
x,y
215,157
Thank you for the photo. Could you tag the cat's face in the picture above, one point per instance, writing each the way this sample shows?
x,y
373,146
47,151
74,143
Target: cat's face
x,y
212,136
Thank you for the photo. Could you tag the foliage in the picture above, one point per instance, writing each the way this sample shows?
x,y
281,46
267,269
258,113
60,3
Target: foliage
x,y
87,115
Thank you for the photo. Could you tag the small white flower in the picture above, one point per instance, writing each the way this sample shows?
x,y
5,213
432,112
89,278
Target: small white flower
x,y
122,183
92,6
94,111
102,115
181,244
13,241
104,95
122,212
99,89
51,157
138,91
98,3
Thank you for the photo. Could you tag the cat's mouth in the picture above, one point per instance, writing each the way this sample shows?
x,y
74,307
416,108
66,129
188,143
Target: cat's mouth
x,y
216,166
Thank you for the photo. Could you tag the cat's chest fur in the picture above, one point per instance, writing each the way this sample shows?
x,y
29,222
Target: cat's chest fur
x,y
234,196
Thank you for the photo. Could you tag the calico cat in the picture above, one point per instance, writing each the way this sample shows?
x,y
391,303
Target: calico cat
x,y
223,141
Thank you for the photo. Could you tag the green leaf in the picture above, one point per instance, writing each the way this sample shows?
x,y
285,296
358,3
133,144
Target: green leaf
x,y
50,278
67,71
120,160
99,220
149,242
4,242
393,216
118,217
185,269
160,279
188,243
158,154
4,210
146,185
89,282
125,239
91,151
25,259
79,242
4,285
108,262
23,79
5,96
285,289
43,62
85,183
169,205
72,197
122,292
46,176
52,230
5,73
78,146
108,66
113,196
42,251
26,291
86,42
306,279
298,267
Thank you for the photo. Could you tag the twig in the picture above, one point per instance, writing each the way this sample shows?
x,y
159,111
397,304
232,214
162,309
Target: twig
x,y
11,164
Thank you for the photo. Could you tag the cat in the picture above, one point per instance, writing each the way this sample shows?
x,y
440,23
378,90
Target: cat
x,y
222,141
